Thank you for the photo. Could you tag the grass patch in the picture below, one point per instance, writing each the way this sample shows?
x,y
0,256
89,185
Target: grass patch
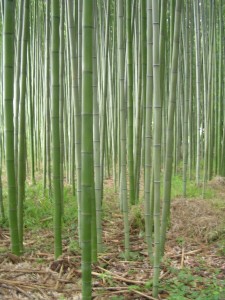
x,y
39,208
193,190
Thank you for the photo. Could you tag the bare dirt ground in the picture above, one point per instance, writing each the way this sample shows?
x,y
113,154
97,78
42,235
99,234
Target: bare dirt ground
x,y
36,275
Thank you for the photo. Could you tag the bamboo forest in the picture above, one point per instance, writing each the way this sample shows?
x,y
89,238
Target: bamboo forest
x,y
112,149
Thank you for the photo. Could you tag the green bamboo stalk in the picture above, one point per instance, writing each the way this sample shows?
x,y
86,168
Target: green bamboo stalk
x,y
2,208
103,116
187,97
162,59
47,97
148,133
96,145
8,76
208,103
94,241
157,133
61,99
191,109
170,125
220,88
123,148
17,81
77,106
143,86
198,82
139,106
130,102
31,115
87,171
22,121
55,17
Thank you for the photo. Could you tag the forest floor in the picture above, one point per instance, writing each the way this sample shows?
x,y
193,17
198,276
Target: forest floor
x,y
193,266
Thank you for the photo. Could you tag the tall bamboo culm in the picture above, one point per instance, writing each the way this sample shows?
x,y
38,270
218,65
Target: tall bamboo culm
x,y
55,17
87,169
8,77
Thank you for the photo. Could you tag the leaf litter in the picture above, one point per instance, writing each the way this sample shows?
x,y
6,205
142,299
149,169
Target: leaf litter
x,y
36,275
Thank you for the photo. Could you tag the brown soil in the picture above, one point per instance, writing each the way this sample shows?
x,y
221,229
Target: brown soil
x,y
36,275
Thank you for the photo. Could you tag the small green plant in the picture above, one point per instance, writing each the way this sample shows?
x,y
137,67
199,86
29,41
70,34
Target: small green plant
x,y
40,260
135,256
221,248
107,278
180,241
148,284
187,285
74,246
3,249
4,222
134,288
137,218
70,208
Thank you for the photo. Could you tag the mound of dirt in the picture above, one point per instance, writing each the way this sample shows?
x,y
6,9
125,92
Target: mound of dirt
x,y
217,181
195,219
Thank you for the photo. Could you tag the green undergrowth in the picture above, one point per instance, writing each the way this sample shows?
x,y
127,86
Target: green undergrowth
x,y
198,283
194,283
39,208
193,190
